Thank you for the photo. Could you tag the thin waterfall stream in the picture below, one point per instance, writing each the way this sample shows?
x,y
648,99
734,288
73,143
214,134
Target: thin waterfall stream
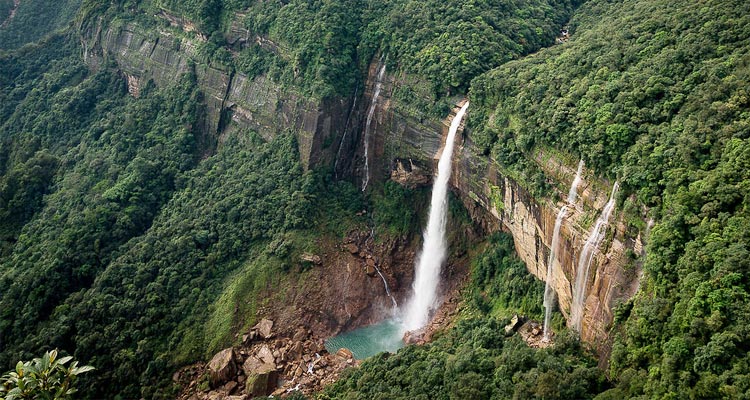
x,y
368,121
549,293
596,235
434,250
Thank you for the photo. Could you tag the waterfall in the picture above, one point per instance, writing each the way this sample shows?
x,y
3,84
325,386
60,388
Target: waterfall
x,y
573,192
387,289
370,113
549,294
427,271
343,137
596,236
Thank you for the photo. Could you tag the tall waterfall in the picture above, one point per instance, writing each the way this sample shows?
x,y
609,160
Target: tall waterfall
x,y
370,113
434,248
549,294
587,255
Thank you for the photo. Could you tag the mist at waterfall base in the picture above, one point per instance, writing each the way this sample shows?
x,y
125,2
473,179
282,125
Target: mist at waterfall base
x,y
387,335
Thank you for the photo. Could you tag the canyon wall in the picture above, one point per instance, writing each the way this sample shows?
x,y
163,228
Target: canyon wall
x,y
232,100
405,148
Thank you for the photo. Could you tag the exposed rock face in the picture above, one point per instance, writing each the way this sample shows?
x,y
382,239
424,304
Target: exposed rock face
x,y
410,174
232,100
235,101
222,367
497,202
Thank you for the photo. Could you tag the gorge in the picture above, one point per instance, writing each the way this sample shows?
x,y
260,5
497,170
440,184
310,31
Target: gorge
x,y
201,198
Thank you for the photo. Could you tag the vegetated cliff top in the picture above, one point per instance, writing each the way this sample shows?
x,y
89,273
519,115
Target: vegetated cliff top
x,y
117,238
323,46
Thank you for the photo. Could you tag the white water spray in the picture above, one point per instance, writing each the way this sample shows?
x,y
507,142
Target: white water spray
x,y
370,113
549,294
596,236
434,248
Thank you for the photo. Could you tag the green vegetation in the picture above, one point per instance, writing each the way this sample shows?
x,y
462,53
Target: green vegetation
x,y
126,243
42,378
475,360
449,43
501,285
661,103
33,20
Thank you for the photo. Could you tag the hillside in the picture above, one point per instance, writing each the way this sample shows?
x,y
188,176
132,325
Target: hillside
x,y
172,172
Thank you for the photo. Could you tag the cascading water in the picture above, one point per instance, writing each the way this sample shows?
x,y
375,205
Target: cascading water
x,y
596,236
549,294
387,289
434,248
368,121
573,192
343,138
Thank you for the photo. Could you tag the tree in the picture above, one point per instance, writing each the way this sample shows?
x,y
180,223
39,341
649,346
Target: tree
x,y
44,378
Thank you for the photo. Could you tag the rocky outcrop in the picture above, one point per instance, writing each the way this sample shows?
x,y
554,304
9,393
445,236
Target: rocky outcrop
x,y
270,366
232,100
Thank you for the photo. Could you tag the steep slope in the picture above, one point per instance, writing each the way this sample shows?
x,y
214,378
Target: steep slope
x,y
167,165
660,103
28,21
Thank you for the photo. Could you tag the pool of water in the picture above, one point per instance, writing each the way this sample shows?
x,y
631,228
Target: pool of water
x,y
368,340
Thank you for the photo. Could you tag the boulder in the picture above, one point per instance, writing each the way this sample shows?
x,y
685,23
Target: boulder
x,y
514,322
264,328
344,354
265,355
222,367
312,258
352,248
229,387
261,384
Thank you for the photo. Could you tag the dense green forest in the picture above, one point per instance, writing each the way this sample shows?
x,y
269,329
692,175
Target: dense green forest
x,y
33,20
661,103
120,227
475,359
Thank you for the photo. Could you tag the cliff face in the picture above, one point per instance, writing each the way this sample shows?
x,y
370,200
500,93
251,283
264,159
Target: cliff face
x,y
232,100
497,202
404,147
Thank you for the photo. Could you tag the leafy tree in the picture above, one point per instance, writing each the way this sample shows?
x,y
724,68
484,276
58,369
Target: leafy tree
x,y
44,378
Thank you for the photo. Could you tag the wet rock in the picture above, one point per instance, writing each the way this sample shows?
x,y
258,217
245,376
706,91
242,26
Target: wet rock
x,y
222,367
414,337
407,173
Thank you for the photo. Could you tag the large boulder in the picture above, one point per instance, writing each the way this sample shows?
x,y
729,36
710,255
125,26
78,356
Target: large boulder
x,y
261,376
264,328
222,367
